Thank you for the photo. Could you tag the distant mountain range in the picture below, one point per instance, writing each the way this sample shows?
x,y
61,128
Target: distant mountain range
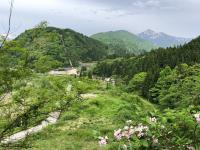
x,y
162,39
124,41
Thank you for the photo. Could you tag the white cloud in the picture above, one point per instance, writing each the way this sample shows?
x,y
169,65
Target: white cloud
x,y
178,17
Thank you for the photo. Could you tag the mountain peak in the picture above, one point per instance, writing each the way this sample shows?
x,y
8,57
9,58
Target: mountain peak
x,y
149,32
162,39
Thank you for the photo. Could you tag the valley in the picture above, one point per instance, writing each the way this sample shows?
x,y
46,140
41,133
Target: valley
x,y
82,83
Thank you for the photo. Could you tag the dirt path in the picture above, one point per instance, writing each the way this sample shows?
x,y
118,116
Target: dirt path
x,y
52,119
88,95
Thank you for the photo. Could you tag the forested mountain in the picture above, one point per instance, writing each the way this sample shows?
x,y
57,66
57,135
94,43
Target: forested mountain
x,y
162,39
60,46
124,42
151,63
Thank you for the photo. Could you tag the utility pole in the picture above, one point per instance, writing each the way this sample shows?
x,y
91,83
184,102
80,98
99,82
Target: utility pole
x,y
65,49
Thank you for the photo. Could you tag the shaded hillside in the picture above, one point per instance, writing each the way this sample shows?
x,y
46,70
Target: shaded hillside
x,y
61,45
124,41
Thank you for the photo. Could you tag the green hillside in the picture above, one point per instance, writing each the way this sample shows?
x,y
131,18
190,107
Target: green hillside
x,y
61,46
82,121
124,41
151,62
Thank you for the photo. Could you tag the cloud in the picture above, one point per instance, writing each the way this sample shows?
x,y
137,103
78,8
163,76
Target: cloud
x,y
178,17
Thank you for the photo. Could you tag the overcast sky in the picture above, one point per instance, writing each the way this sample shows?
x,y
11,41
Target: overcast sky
x,y
175,17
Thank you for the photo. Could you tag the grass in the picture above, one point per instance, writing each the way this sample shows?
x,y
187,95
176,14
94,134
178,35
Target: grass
x,y
84,121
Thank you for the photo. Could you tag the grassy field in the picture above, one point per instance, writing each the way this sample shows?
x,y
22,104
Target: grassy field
x,y
82,122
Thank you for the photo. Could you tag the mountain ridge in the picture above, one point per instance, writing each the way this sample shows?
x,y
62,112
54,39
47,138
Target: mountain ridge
x,y
162,39
124,39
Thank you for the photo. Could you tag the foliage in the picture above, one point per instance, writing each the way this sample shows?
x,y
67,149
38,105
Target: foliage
x,y
163,132
178,87
32,100
152,63
123,42
61,46
13,65
42,24
136,83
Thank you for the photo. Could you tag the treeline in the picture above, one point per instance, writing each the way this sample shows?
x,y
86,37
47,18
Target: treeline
x,y
151,62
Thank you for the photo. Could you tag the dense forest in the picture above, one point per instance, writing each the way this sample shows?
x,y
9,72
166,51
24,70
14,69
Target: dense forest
x,y
151,62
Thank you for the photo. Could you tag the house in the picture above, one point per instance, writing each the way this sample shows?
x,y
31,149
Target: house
x,y
65,71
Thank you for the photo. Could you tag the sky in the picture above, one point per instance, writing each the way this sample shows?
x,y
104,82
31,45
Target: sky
x,y
175,17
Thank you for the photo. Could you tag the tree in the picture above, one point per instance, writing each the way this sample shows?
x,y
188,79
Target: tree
x,y
136,83
42,24
9,24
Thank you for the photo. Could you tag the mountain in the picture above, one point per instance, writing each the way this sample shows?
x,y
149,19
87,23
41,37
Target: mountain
x,y
61,45
124,40
161,39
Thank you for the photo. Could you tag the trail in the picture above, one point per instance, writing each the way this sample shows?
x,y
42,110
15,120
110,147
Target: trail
x,y
88,95
52,119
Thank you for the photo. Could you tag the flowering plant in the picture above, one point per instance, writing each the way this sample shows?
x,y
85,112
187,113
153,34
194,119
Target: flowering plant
x,y
156,133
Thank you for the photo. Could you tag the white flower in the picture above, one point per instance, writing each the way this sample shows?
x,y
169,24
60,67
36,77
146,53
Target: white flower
x,y
124,147
190,148
197,116
129,121
155,140
153,119
126,128
162,126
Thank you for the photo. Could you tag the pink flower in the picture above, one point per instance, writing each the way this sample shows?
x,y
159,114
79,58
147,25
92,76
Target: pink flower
x,y
126,134
198,120
141,130
131,131
118,134
140,134
103,140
